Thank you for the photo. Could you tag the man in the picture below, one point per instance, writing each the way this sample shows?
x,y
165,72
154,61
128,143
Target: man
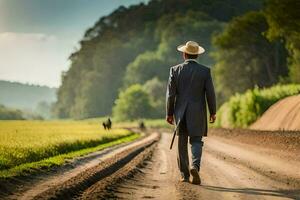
x,y
189,87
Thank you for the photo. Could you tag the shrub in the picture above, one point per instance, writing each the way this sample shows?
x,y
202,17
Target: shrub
x,y
156,90
243,109
133,103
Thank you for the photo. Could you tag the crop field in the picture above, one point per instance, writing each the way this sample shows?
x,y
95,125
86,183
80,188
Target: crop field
x,y
27,145
149,123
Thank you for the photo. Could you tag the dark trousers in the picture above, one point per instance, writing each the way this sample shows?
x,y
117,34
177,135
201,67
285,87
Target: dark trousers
x,y
196,150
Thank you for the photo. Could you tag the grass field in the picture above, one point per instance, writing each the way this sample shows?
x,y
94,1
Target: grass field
x,y
28,145
149,123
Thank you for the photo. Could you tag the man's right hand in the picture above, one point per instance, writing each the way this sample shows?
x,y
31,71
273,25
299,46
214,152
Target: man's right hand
x,y
212,118
170,119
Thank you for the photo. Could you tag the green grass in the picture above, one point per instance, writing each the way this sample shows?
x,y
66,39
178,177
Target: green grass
x,y
157,123
243,109
45,164
149,123
29,145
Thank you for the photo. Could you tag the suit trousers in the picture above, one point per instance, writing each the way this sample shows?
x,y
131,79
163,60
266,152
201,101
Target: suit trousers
x,y
196,150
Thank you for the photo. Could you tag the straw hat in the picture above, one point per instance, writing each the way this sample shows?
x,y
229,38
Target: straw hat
x,y
191,47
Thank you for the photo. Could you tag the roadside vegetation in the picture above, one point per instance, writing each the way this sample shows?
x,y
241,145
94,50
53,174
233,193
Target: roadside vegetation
x,y
241,110
28,145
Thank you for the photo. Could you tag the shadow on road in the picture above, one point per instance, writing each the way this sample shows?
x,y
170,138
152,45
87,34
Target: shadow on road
x,y
292,194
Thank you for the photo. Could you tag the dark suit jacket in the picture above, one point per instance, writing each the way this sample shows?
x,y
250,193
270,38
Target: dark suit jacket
x,y
189,87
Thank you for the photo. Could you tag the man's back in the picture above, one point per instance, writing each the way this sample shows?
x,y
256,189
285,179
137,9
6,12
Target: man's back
x,y
189,84
191,80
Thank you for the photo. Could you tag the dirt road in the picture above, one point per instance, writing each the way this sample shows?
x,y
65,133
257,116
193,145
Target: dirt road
x,y
230,170
236,164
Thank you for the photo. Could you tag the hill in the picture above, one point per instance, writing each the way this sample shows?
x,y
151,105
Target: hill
x,y
283,115
25,96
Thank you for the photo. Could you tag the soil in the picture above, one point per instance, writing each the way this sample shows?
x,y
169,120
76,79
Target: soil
x,y
236,164
231,169
283,115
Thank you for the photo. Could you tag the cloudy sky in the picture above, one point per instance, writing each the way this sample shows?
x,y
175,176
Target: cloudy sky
x,y
37,36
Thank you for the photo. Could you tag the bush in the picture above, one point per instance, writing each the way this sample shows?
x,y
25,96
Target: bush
x,y
133,103
243,109
156,90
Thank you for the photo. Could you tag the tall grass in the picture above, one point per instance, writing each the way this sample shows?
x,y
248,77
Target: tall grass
x,y
30,141
243,109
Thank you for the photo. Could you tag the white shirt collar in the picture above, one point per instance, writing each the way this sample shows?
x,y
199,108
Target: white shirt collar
x,y
191,60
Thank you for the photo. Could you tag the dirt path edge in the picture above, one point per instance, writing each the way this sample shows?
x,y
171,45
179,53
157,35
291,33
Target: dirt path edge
x,y
77,185
104,189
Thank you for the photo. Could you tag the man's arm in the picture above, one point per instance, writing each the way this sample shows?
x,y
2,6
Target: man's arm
x,y
210,98
170,97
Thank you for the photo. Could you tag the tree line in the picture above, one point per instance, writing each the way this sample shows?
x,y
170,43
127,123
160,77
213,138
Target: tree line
x,y
10,114
123,61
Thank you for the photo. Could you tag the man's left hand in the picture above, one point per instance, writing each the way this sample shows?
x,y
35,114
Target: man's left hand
x,y
170,119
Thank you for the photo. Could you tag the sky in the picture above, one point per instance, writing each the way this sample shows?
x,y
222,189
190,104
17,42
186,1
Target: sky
x,y
37,36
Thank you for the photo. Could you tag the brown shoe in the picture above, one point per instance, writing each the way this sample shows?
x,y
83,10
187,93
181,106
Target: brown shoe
x,y
195,176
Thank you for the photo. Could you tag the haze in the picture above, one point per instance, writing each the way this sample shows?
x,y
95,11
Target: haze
x,y
37,36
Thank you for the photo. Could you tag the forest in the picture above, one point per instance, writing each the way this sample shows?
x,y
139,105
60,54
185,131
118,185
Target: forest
x,y
123,62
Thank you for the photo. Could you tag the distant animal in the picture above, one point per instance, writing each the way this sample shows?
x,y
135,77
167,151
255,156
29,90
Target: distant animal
x,y
107,124
142,125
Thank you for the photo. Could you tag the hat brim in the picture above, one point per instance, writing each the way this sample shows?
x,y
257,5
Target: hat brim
x,y
183,48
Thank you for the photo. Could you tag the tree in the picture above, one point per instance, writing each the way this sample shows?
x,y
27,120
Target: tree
x,y
133,103
245,58
145,67
139,43
284,22
157,93
171,31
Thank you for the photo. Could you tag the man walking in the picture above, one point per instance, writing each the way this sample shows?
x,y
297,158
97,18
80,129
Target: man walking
x,y
190,86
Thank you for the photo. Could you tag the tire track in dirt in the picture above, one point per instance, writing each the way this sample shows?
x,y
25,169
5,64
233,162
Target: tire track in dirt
x,y
153,180
230,169
260,160
74,187
222,178
70,187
